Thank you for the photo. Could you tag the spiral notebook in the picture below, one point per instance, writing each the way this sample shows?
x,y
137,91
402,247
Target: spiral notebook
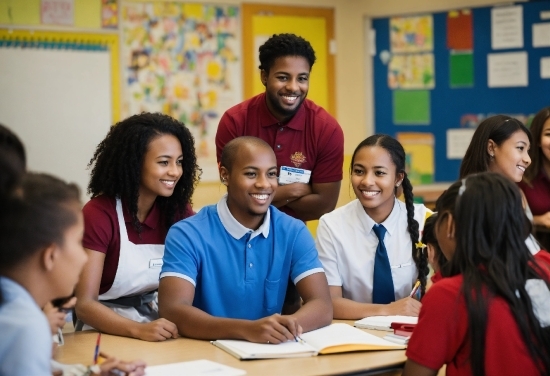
x,y
332,339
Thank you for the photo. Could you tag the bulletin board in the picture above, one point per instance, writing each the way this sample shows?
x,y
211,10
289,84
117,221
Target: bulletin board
x,y
443,99
60,93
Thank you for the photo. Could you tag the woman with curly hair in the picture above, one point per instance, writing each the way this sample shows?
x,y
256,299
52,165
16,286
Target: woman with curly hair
x,y
143,176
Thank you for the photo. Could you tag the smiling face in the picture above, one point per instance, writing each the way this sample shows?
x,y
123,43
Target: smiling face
x,y
545,143
374,178
161,167
286,85
511,157
251,184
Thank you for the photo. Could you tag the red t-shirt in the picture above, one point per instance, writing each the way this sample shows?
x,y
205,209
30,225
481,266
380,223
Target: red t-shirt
x,y
538,195
312,139
102,233
437,277
440,336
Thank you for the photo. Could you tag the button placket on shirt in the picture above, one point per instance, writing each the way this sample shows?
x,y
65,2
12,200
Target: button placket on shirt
x,y
250,261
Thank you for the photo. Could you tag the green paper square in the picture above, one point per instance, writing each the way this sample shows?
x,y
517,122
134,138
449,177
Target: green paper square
x,y
461,69
411,107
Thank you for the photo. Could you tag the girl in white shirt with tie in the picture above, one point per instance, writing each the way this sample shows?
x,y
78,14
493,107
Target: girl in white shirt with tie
x,y
368,277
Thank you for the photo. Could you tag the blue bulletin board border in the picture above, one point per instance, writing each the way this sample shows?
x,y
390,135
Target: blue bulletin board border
x,y
448,104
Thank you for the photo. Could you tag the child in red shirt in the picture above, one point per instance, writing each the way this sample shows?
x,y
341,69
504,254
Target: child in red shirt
x,y
435,257
491,316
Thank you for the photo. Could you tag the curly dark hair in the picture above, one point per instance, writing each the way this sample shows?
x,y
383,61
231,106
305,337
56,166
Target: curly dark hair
x,y
397,154
118,159
280,45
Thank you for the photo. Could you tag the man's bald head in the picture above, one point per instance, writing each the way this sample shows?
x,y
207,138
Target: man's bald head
x,y
231,149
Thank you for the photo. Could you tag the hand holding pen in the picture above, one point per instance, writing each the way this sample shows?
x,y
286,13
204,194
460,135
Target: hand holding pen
x,y
273,329
415,291
105,365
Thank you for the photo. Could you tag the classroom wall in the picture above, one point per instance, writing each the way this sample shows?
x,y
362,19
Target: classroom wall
x,y
354,99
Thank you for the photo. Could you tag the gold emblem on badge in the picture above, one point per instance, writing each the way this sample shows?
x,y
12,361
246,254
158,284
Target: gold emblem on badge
x,y
297,158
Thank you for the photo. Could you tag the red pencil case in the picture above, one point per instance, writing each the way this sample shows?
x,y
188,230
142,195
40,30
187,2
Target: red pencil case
x,y
402,329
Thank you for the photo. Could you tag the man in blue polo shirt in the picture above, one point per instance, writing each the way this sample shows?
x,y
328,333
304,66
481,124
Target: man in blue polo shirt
x,y
226,269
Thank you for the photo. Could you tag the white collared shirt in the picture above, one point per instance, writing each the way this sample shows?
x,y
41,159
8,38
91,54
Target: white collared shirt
x,y
347,247
234,227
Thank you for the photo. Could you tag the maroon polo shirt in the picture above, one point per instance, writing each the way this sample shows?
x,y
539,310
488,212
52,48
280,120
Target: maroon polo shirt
x,y
538,195
312,139
102,233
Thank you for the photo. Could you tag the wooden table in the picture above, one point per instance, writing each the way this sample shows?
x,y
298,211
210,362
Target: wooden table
x,y
79,348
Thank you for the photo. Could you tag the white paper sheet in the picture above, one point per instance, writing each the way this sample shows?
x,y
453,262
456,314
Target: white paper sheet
x,y
545,67
541,34
458,141
193,368
507,27
507,69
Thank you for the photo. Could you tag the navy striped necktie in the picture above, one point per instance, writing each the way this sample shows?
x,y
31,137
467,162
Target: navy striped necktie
x,y
382,284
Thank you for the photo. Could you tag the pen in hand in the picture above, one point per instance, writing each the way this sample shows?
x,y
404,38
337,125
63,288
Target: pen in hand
x,y
415,287
96,353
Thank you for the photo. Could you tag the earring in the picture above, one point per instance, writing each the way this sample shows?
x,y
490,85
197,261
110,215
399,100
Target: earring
x,y
491,155
398,184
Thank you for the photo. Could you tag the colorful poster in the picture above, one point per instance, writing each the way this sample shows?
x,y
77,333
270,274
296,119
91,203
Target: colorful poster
x,y
419,156
109,14
411,34
460,30
414,71
184,60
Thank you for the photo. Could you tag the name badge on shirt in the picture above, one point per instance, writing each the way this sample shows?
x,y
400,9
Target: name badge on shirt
x,y
155,263
289,175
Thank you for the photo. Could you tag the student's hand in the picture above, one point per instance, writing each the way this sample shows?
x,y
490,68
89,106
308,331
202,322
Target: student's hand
x,y
273,329
542,220
112,366
56,318
158,330
404,307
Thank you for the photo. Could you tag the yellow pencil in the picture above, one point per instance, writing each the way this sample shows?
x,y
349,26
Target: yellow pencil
x,y
415,287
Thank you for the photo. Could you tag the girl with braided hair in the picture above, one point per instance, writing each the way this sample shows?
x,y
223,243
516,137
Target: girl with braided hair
x,y
143,176
369,247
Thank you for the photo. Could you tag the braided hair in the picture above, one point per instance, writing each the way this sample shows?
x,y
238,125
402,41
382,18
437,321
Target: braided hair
x,y
397,154
118,159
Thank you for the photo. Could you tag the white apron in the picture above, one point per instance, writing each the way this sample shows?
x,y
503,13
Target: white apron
x,y
137,273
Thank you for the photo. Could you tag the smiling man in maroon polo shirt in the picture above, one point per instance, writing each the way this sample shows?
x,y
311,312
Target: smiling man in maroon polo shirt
x,y
308,142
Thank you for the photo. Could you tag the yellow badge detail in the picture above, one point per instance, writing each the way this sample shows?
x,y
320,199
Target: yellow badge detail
x,y
297,158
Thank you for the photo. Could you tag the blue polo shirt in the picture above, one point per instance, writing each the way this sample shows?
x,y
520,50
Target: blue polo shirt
x,y
237,272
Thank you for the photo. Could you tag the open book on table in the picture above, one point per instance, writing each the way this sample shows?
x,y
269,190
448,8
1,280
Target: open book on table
x,y
384,322
335,338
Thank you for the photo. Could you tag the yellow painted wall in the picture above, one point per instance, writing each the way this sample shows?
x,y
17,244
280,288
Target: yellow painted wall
x,y
354,100
27,12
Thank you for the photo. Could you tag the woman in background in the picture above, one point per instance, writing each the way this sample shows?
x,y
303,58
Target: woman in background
x,y
501,144
536,180
143,176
